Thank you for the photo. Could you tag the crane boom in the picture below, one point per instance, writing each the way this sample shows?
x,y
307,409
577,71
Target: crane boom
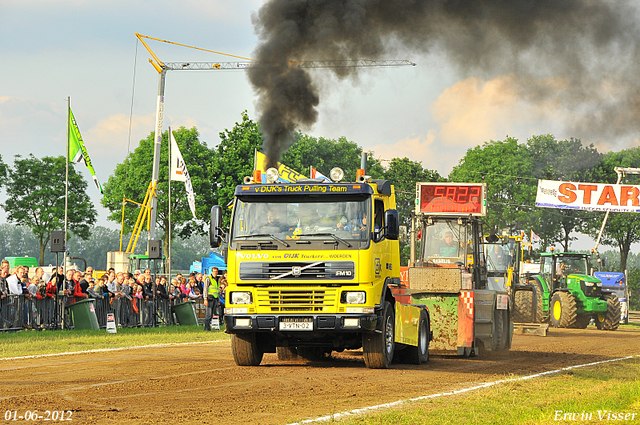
x,y
353,63
163,67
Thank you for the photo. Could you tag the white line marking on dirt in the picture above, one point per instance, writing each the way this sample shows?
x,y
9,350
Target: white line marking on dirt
x,y
341,415
100,350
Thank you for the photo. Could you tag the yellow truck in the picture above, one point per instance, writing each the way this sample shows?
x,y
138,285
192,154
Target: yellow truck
x,y
311,265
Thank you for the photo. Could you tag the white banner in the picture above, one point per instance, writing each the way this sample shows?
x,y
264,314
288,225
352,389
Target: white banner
x,y
588,196
179,173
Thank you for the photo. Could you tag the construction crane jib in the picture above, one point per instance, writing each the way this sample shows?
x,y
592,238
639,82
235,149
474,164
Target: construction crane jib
x,y
163,67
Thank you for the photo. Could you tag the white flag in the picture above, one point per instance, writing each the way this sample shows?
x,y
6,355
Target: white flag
x,y
179,173
534,237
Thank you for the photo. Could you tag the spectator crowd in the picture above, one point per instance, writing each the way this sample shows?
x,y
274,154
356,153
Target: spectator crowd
x,y
136,298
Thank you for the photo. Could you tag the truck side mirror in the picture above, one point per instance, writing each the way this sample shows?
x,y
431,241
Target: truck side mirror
x,y
215,226
392,221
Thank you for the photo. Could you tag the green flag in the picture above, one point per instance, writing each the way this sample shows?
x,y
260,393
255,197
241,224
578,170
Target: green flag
x,y
77,151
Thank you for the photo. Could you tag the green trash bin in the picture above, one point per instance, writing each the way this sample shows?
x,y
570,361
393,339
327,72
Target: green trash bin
x,y
83,314
185,313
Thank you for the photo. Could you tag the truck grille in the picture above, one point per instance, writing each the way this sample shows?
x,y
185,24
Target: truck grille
x,y
297,271
292,300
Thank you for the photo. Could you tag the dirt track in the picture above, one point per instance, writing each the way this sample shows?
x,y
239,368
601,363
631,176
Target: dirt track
x,y
201,384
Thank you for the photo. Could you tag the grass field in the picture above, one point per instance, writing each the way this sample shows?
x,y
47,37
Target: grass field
x,y
47,342
601,394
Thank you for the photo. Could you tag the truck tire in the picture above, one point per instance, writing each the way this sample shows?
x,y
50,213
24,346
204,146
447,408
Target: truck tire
x,y
611,319
563,310
539,318
420,354
287,353
378,347
500,326
523,306
245,349
582,321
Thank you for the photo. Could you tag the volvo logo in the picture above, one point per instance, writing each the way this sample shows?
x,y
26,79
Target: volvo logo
x,y
296,271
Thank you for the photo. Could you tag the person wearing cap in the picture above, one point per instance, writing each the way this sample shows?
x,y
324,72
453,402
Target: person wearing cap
x,y
211,295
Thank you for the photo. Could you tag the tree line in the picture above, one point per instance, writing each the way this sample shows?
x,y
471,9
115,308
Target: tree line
x,y
511,169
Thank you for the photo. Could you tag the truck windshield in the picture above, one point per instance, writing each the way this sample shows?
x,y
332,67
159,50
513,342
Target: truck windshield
x,y
500,257
446,242
302,218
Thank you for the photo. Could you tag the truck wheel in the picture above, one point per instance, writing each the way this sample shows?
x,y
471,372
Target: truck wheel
x,y
377,347
611,319
419,354
287,353
564,311
245,349
499,330
523,306
582,321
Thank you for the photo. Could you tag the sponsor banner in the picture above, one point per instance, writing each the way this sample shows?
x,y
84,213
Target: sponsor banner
x,y
588,196
285,174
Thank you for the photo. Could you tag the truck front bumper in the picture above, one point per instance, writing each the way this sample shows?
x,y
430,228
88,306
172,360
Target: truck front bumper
x,y
236,323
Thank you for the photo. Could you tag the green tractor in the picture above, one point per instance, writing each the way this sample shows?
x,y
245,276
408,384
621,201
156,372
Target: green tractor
x,y
565,295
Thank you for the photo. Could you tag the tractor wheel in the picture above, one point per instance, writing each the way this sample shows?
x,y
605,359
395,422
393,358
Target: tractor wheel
x,y
539,318
378,347
287,353
582,321
419,354
523,306
499,340
564,311
611,319
245,349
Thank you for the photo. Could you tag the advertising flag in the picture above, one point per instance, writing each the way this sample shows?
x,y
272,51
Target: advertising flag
x,y
77,151
179,173
588,196
534,237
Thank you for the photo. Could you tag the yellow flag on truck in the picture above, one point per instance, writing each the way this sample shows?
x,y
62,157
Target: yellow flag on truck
x,y
285,174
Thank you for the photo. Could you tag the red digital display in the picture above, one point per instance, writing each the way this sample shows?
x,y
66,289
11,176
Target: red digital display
x,y
451,199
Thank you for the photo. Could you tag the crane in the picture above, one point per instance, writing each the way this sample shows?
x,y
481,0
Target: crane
x,y
163,67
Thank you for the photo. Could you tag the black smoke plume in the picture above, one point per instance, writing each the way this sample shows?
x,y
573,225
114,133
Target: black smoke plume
x,y
590,45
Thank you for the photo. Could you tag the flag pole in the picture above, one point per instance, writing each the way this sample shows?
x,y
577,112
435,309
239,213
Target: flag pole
x,y
169,230
66,187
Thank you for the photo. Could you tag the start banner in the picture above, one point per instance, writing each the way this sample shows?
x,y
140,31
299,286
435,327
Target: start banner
x,y
588,196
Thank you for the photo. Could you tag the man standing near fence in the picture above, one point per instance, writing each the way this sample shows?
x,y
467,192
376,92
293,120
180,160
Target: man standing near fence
x,y
211,292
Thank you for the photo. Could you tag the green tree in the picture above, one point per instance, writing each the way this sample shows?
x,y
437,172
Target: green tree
x,y
325,154
233,159
3,172
567,160
506,168
36,198
622,229
131,179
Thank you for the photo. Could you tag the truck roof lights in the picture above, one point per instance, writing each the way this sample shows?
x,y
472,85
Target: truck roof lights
x,y
336,174
272,175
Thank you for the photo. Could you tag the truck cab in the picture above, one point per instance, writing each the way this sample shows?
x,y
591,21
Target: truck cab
x,y
310,266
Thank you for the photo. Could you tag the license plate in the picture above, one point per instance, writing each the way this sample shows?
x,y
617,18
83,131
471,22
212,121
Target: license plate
x,y
296,324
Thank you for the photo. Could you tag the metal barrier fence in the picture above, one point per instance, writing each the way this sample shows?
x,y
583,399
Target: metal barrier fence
x,y
18,312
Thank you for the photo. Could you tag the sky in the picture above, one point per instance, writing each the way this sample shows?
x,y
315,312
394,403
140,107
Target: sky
x,y
86,50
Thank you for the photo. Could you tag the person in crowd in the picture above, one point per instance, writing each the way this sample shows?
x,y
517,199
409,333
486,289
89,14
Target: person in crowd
x,y
184,289
147,287
200,282
174,291
69,283
32,286
78,291
222,296
211,295
57,278
161,289
14,282
4,273
138,292
95,288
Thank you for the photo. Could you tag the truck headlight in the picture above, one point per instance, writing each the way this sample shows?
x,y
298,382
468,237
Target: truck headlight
x,y
241,298
588,283
353,297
